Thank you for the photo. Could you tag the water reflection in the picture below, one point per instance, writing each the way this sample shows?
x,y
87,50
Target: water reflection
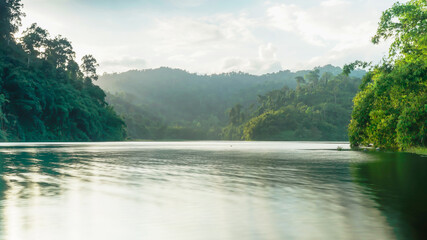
x,y
207,190
397,182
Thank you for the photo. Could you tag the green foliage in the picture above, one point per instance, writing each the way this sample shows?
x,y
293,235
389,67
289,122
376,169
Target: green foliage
x,y
391,110
10,19
43,95
181,97
144,123
406,24
318,109
88,67
141,124
348,68
171,103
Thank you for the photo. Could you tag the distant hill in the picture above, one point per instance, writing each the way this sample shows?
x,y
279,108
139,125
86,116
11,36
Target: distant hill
x,y
178,95
190,100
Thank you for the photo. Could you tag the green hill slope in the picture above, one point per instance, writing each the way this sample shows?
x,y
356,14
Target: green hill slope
x,y
44,94
187,105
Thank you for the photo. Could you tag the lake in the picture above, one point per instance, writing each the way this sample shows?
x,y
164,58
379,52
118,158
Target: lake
x,y
209,190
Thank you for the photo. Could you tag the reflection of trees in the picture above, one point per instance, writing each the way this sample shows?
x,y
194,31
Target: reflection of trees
x,y
3,185
28,173
3,188
31,172
398,183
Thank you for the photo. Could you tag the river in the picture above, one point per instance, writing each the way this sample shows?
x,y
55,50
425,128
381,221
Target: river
x,y
209,190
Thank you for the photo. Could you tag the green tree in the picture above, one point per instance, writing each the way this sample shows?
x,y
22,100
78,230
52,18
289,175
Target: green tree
x,y
10,19
59,52
43,96
34,41
300,80
88,66
313,76
391,109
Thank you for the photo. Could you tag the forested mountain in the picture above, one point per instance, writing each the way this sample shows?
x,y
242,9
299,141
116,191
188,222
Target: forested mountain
x,y
181,96
318,109
44,94
391,109
169,103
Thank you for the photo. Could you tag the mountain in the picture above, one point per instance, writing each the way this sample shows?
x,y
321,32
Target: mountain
x,y
193,102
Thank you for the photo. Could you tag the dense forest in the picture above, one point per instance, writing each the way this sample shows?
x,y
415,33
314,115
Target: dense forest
x,y
318,109
169,103
44,94
391,109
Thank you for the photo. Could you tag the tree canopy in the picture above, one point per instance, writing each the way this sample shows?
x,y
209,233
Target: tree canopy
x,y
318,109
169,103
44,94
391,109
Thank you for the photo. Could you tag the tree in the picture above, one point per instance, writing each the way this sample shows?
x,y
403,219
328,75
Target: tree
x,y
326,76
406,23
10,18
300,81
46,101
236,115
88,66
34,41
59,52
313,76
391,109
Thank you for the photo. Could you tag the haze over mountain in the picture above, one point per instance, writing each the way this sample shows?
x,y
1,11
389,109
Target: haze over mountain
x,y
173,97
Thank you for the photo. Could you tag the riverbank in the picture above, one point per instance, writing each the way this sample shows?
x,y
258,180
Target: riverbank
x,y
418,150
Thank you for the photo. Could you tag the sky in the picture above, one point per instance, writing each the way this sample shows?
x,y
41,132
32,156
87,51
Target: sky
x,y
214,36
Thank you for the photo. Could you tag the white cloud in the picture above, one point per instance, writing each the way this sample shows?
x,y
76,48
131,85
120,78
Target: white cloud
x,y
253,66
339,31
259,37
284,17
267,52
122,64
184,32
264,63
187,3
322,25
203,41
334,3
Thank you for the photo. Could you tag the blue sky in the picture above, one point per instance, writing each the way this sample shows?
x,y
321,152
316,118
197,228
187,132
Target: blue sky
x,y
207,36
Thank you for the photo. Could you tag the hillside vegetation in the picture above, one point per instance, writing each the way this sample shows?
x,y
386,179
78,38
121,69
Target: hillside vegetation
x,y
318,109
169,103
44,94
391,109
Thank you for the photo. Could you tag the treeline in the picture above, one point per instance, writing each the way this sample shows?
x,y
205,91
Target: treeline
x,y
143,124
391,109
318,109
169,103
44,94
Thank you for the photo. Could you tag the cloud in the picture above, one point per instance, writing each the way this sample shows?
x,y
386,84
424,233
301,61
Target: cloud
x,y
252,36
266,62
333,22
333,3
186,3
267,52
253,66
184,32
284,17
124,64
179,32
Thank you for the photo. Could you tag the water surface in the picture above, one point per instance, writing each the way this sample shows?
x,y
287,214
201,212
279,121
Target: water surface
x,y
209,190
